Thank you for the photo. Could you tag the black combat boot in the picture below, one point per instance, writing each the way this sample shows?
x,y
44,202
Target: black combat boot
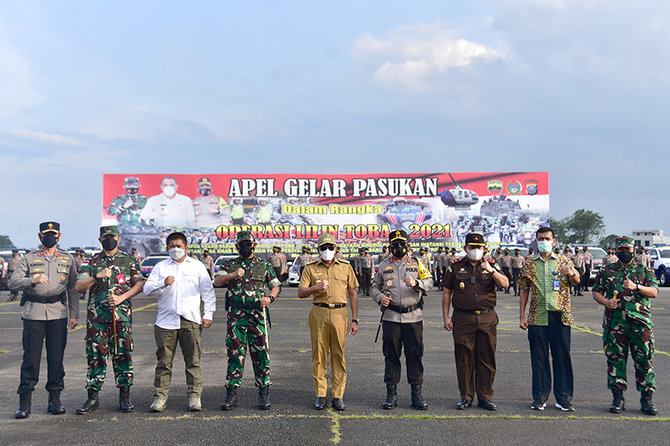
x,y
124,400
391,397
91,403
646,406
618,404
55,407
417,400
263,398
24,405
231,399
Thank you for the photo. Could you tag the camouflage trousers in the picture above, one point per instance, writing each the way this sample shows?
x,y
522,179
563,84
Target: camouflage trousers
x,y
619,336
100,344
247,327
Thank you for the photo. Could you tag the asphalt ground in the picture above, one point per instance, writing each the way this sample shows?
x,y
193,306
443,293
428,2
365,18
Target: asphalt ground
x,y
292,419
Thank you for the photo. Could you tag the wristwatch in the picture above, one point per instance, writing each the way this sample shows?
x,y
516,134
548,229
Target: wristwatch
x,y
354,320
638,286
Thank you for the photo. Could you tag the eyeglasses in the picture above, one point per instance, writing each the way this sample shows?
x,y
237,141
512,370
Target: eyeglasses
x,y
326,247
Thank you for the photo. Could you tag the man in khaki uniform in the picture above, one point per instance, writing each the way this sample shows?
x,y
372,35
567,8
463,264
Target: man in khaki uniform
x,y
47,278
12,264
329,280
517,264
278,262
208,261
398,288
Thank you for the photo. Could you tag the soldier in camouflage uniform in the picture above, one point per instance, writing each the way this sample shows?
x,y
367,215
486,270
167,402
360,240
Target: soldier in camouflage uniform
x,y
113,278
127,207
624,289
246,277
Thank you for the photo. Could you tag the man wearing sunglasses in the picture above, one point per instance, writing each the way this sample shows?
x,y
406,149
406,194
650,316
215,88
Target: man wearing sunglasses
x,y
398,288
329,280
470,284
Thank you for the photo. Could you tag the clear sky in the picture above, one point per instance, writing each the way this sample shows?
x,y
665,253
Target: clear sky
x,y
578,88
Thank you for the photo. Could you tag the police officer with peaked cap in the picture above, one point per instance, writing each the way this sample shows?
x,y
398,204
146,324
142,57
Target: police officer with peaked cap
x,y
47,278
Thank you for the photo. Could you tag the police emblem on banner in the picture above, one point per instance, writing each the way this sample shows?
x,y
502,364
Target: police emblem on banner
x,y
531,187
514,188
494,187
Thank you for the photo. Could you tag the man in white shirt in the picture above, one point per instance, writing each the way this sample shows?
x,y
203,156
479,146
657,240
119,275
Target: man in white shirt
x,y
169,209
180,282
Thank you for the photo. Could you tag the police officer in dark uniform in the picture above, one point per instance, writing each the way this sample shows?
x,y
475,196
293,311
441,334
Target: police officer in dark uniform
x,y
47,278
470,283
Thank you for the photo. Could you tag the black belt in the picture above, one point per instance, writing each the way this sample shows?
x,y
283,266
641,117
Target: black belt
x,y
331,306
43,299
474,311
244,305
408,309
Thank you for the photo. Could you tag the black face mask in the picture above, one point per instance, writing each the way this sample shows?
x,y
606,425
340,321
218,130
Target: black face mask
x,y
399,251
205,192
132,190
49,240
108,244
245,250
625,256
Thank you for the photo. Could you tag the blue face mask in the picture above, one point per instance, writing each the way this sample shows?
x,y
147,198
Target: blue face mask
x,y
544,246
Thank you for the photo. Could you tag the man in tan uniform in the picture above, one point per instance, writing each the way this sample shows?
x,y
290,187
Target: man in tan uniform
x,y
50,305
278,262
329,280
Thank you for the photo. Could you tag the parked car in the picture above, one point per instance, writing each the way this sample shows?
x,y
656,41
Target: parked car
x,y
598,255
149,262
660,262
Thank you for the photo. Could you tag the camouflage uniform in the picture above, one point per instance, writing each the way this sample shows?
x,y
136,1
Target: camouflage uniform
x,y
247,325
629,326
128,216
99,327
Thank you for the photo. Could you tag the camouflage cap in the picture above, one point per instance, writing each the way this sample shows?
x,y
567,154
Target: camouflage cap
x,y
474,239
325,239
244,235
49,226
109,230
625,241
131,181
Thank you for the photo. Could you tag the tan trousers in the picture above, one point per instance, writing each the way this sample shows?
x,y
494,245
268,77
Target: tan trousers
x,y
188,338
328,330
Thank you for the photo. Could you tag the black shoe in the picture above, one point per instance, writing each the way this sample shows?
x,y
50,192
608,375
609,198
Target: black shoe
x,y
417,400
24,405
263,398
646,406
91,403
618,404
487,405
320,403
391,397
463,404
538,405
124,400
55,407
231,399
338,404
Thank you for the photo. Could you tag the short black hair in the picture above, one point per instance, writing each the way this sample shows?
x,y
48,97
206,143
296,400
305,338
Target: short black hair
x,y
176,236
544,229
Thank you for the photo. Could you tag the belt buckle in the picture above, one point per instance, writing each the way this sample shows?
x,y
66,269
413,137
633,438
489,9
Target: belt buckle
x,y
478,312
331,306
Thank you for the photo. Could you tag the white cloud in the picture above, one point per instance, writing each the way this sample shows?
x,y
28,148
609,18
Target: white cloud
x,y
411,56
53,138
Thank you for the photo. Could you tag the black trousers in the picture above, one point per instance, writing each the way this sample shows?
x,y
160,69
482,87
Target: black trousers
x,y
34,335
278,274
585,279
366,278
515,278
556,337
395,336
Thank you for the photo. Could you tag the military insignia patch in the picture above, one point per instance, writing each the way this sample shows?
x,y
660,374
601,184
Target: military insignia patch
x,y
462,285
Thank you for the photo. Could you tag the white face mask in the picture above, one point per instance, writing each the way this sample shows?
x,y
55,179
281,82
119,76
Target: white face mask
x,y
169,191
475,254
176,253
327,255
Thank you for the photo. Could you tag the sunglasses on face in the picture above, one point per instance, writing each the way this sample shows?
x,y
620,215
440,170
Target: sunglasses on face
x,y
326,247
